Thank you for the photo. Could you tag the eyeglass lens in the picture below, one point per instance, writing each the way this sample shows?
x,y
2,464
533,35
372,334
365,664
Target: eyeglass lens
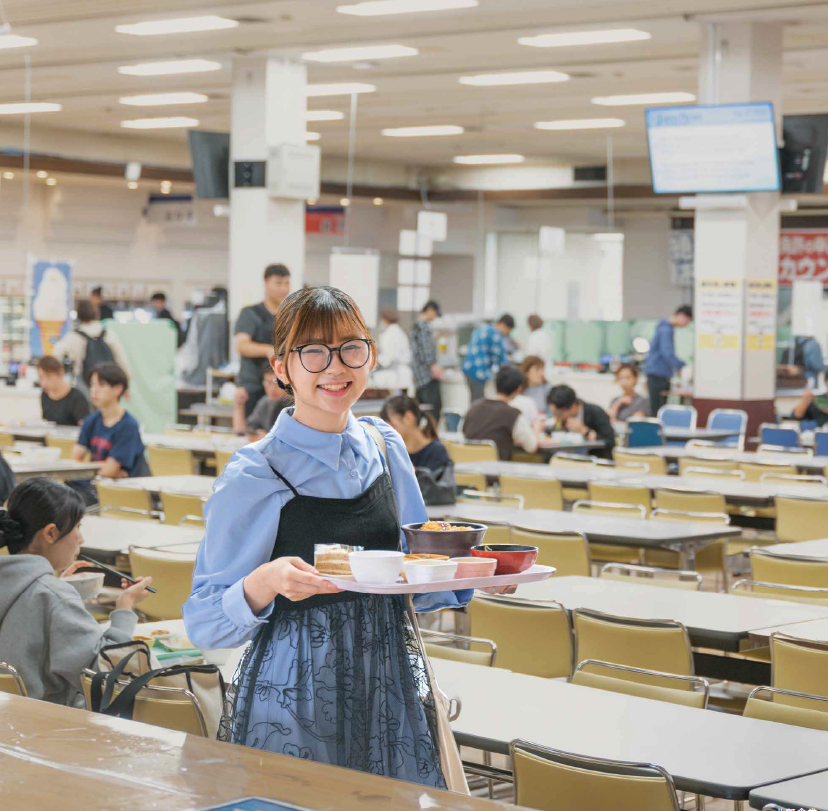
x,y
317,357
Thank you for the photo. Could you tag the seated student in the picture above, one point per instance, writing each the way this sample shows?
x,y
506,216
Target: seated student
x,y
60,402
46,633
807,410
629,403
264,414
587,419
111,433
533,368
418,430
499,420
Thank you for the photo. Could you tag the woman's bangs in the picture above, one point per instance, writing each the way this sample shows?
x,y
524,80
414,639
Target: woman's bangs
x,y
328,320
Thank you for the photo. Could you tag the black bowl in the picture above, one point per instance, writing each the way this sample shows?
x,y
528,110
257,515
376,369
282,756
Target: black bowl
x,y
455,543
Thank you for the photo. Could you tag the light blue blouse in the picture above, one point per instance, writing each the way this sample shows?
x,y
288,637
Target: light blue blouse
x,y
243,516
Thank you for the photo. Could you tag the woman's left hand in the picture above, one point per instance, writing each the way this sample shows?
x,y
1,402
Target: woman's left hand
x,y
78,564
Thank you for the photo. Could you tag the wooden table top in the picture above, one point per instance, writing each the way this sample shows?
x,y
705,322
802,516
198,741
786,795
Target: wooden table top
x,y
55,757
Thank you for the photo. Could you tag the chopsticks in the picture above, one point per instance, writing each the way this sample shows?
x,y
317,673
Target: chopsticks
x,y
109,569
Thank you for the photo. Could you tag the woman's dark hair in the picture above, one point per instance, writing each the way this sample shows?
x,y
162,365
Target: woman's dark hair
x,y
630,367
88,311
34,505
535,322
112,375
401,404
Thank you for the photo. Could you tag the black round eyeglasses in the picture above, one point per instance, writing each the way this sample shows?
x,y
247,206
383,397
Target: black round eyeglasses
x,y
315,358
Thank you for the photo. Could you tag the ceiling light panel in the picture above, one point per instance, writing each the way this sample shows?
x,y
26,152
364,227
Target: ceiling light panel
x,y
376,8
570,38
517,77
30,107
159,123
642,98
488,159
339,89
581,124
15,41
417,132
324,115
356,54
160,99
183,25
170,68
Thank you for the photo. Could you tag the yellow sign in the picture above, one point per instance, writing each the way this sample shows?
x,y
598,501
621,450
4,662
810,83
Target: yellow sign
x,y
760,315
719,314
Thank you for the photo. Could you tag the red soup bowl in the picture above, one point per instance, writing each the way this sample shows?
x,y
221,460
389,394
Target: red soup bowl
x,y
511,558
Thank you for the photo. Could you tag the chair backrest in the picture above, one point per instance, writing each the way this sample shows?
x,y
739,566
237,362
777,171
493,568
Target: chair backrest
x,y
677,416
568,552
167,707
515,627
453,420
644,432
170,461
608,508
783,451
821,443
112,497
800,665
754,471
713,474
793,478
788,570
6,439
686,516
468,649
553,780
222,458
501,499
65,444
657,465
652,576
706,463
660,686
620,493
577,460
810,711
661,645
10,681
676,499
477,450
729,419
770,434
475,481
180,506
540,494
172,576
800,519
777,591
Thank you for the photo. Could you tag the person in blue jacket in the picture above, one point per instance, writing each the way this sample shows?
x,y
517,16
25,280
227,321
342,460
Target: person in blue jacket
x,y
331,676
662,362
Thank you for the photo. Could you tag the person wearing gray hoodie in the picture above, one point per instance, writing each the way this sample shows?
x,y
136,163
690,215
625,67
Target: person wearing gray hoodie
x,y
46,633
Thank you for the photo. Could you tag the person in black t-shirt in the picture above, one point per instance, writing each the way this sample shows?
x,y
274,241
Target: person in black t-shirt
x,y
159,304
418,430
254,334
60,403
96,297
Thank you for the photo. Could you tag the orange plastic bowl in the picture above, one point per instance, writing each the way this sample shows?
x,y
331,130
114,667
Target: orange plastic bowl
x,y
511,558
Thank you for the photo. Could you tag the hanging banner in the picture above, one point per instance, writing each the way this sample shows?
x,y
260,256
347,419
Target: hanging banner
x,y
803,255
760,315
51,304
718,313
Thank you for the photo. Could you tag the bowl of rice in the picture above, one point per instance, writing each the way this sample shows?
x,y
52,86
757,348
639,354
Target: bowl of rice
x,y
452,538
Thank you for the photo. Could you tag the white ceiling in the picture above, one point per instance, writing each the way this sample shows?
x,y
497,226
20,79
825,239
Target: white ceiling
x,y
79,51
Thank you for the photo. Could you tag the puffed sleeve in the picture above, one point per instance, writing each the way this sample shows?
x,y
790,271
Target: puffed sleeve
x,y
242,521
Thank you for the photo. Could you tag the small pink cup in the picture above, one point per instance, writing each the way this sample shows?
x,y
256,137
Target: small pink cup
x,y
474,567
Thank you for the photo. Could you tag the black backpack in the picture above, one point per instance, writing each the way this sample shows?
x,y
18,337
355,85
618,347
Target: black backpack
x,y
97,351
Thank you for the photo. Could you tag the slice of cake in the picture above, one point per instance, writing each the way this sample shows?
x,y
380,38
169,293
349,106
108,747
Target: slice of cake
x,y
332,559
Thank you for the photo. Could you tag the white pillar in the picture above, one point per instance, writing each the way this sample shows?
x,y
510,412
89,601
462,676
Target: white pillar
x,y
740,62
268,109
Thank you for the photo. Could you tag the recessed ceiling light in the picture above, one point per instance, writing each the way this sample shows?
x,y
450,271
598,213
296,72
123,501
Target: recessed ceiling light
x,y
473,159
374,8
132,185
355,54
8,175
324,115
584,38
345,202
517,77
581,124
312,136
378,201
51,181
30,107
642,98
339,89
41,174
160,99
414,132
160,123
170,68
14,41
183,25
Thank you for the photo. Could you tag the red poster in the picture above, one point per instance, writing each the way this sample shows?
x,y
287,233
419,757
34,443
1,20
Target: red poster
x,y
803,255
325,221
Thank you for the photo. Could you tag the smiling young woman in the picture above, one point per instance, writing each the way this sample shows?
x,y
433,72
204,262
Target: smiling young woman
x,y
336,677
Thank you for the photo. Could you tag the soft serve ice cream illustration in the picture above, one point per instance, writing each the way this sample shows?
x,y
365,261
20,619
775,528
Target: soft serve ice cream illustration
x,y
51,307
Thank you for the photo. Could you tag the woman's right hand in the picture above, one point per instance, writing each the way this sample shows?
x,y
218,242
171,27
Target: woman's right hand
x,y
136,593
291,577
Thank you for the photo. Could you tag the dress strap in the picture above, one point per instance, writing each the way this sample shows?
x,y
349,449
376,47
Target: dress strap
x,y
379,441
292,488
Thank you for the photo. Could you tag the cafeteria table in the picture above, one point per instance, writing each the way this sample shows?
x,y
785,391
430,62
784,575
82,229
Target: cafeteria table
x,y
674,434
185,485
710,753
815,630
61,469
108,536
202,447
38,433
684,537
802,461
575,476
802,793
811,549
54,757
546,447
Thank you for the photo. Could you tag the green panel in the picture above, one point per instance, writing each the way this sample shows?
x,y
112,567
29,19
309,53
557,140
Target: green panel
x,y
685,343
643,328
557,329
618,337
784,338
584,341
150,350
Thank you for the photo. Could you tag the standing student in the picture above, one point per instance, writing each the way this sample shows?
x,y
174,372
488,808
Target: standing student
x,y
254,334
418,430
266,411
427,372
96,297
487,352
539,342
662,362
60,403
111,433
46,633
394,356
629,403
334,677
159,304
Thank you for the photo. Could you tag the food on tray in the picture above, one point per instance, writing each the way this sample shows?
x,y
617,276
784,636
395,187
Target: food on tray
x,y
332,558
143,639
162,632
443,526
424,556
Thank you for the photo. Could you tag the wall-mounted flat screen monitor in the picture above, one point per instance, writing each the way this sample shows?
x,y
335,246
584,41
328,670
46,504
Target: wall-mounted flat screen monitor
x,y
713,148
803,156
210,153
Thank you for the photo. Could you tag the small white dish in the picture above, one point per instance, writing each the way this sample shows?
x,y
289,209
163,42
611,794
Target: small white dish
x,y
87,584
429,571
376,566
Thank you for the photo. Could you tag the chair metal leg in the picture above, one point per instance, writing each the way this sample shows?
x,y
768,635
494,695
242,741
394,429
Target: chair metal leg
x,y
738,805
487,759
699,803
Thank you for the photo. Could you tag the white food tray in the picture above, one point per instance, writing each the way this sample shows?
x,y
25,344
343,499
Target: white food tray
x,y
531,575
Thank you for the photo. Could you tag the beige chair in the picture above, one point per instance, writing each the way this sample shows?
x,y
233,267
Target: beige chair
x,y
552,780
6,439
181,508
621,493
799,665
706,463
168,707
222,458
476,481
498,533
789,570
754,471
783,452
656,465
468,649
660,645
129,503
776,591
578,461
172,576
568,552
713,474
810,711
498,499
65,444
782,479
10,681
483,450
531,638
538,494
652,576
612,553
170,461
604,676
800,519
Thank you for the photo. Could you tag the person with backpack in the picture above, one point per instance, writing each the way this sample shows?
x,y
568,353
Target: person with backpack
x,y
89,346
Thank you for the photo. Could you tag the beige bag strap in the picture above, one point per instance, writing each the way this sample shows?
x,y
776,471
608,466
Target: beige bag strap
x,y
372,429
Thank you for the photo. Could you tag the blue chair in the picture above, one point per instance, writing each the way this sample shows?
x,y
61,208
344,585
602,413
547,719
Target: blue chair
x,y
453,421
729,419
821,443
677,416
771,434
644,432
